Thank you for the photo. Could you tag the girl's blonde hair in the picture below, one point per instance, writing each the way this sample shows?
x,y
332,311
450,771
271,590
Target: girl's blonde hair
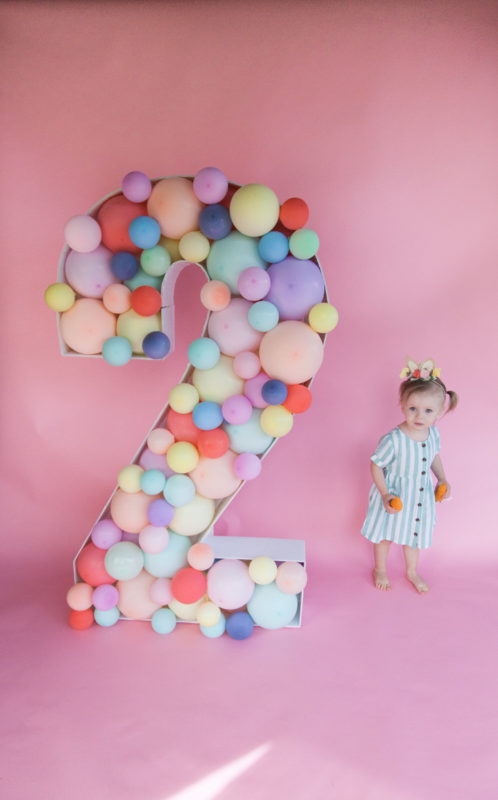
x,y
420,385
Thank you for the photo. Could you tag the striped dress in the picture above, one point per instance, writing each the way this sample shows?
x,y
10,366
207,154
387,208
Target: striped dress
x,y
407,468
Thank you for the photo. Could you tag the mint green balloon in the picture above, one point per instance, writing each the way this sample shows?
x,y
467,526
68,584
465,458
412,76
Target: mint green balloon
x,y
163,620
230,256
106,618
142,279
248,437
124,561
304,243
270,608
155,260
166,563
263,316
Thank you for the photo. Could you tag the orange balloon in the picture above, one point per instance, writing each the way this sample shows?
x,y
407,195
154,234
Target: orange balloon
x,y
213,444
294,213
182,427
81,620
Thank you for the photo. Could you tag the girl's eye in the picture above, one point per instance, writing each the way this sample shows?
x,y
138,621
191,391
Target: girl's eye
x,y
428,410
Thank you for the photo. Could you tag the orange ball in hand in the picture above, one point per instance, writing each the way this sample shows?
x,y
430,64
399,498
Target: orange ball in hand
x,y
396,503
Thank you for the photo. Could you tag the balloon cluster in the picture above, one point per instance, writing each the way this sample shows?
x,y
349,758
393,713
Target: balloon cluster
x,y
248,376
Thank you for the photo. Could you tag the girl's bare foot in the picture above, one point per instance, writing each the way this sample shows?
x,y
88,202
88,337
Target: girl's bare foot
x,y
381,580
420,585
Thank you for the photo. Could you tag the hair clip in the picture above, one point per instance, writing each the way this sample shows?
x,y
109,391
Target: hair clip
x,y
425,371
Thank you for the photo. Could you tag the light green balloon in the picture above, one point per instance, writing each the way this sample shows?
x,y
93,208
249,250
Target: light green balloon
x,y
143,279
304,243
155,260
249,437
124,561
230,256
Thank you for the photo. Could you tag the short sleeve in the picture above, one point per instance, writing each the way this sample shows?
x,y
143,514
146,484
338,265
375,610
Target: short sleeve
x,y
437,441
384,455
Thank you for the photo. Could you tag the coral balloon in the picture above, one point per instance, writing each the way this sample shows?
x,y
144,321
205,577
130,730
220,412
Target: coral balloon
x,y
114,218
90,566
188,585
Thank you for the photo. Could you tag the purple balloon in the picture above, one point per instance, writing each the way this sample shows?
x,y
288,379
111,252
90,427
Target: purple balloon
x,y
105,597
160,513
296,286
247,466
136,186
106,533
150,460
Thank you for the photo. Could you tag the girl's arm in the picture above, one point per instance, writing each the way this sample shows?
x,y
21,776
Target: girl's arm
x,y
380,482
438,470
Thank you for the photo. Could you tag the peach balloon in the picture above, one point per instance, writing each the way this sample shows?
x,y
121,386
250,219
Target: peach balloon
x,y
215,295
79,596
214,477
201,556
134,596
160,440
129,511
116,298
175,207
86,326
292,352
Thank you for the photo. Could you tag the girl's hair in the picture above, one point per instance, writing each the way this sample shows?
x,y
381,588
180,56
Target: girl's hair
x,y
420,385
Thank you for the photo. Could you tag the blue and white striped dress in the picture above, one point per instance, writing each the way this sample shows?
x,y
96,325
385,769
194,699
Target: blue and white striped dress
x,y
407,467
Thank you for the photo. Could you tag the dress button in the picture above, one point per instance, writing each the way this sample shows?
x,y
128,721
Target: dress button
x,y
424,445
415,534
419,504
423,473
418,519
424,459
421,488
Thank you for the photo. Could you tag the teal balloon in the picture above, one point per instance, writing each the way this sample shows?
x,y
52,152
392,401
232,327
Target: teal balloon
x,y
179,490
117,351
166,563
270,608
203,353
214,631
106,618
248,437
152,481
124,561
263,316
230,256
163,620
141,278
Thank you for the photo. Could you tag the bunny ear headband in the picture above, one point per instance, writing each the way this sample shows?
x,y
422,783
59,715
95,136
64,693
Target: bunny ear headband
x,y
425,371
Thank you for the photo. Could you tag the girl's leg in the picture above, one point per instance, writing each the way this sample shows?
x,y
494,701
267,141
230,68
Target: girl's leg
x,y
380,570
411,558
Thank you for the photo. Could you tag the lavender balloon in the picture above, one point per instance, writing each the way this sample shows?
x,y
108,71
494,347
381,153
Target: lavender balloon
x,y
296,286
106,533
105,597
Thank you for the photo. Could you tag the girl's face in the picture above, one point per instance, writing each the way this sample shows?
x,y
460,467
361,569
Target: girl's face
x,y
422,409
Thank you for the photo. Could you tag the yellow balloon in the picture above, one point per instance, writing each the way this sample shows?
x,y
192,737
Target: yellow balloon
x,y
276,421
135,327
183,398
194,517
182,457
219,382
254,209
208,614
323,317
60,297
171,245
194,246
263,570
129,478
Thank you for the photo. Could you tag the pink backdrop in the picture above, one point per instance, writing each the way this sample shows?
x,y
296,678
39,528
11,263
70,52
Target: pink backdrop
x,y
383,117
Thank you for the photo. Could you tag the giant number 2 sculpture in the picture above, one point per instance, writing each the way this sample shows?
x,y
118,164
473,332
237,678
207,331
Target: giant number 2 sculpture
x,y
152,553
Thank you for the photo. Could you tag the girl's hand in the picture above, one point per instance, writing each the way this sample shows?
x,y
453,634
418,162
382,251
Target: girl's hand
x,y
386,499
447,493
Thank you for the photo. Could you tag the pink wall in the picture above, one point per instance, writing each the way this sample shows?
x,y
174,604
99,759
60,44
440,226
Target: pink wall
x,y
383,117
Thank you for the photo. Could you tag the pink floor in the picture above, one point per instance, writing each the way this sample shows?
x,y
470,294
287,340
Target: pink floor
x,y
377,696
382,115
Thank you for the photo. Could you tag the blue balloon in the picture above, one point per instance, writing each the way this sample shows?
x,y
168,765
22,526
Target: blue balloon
x,y
203,353
270,608
215,222
239,625
152,481
207,415
124,265
179,490
214,631
163,620
274,392
156,345
106,618
144,232
117,351
273,246
263,316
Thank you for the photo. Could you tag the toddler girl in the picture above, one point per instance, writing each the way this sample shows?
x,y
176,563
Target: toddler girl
x,y
401,468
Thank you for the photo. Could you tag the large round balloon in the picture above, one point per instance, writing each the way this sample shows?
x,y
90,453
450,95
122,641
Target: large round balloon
x,y
291,352
295,287
229,584
134,597
231,329
270,608
194,517
230,256
219,382
129,511
214,477
174,205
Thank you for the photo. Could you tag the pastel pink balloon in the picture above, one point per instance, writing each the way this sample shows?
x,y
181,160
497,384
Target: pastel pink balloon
x,y
82,233
247,466
231,330
160,591
153,538
134,597
214,477
292,352
254,283
86,326
229,585
291,577
136,186
252,390
105,597
210,185
89,273
237,409
246,365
